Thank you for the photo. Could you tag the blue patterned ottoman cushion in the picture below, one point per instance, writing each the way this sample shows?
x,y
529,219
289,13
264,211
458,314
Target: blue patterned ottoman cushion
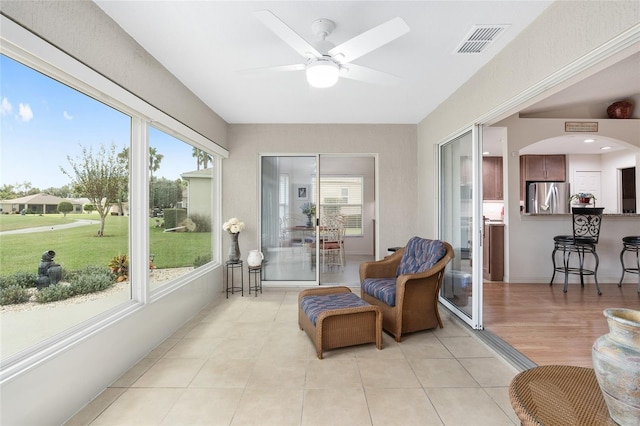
x,y
312,306
420,255
381,288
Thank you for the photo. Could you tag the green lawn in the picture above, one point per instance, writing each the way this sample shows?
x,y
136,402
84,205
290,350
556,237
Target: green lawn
x,y
10,222
78,247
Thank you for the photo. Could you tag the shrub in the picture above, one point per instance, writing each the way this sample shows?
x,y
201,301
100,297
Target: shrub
x,y
188,224
172,217
13,294
119,266
91,283
202,260
20,279
202,222
65,207
54,293
89,270
90,279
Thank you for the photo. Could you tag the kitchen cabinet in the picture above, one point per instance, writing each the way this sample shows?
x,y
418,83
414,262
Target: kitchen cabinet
x,y
492,178
541,168
493,251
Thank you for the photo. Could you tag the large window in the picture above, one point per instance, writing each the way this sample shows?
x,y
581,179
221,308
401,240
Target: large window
x,y
63,194
343,195
180,206
87,190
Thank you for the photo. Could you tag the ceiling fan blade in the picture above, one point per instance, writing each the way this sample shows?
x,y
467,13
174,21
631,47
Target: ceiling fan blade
x,y
369,40
368,75
289,36
279,68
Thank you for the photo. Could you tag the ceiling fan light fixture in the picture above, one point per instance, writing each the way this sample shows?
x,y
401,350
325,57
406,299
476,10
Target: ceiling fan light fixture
x,y
323,73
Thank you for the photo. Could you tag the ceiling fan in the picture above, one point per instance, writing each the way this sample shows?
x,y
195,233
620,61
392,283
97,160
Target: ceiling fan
x,y
325,63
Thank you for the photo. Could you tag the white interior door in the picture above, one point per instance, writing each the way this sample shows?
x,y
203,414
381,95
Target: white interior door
x,y
586,181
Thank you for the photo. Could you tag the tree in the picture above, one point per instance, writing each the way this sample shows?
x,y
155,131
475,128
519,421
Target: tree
x,y
100,177
202,158
154,165
154,161
165,193
65,207
26,187
8,192
62,192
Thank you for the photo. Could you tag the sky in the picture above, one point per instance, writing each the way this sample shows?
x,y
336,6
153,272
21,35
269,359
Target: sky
x,y
44,121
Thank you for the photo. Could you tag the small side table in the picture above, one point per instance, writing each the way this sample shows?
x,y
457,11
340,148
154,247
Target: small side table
x,y
230,285
256,272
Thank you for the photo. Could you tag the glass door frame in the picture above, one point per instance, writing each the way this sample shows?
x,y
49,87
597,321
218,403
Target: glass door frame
x,y
475,321
259,227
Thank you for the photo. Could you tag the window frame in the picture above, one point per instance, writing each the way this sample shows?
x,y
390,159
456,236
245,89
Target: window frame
x,y
20,44
323,184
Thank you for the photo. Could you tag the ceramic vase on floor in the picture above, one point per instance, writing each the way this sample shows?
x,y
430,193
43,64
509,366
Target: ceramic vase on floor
x,y
616,362
234,248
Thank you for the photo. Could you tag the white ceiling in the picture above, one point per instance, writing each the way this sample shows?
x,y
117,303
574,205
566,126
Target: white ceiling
x,y
206,43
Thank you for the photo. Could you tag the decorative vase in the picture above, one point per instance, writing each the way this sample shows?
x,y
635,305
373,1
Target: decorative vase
x,y
616,363
255,258
620,109
234,248
309,222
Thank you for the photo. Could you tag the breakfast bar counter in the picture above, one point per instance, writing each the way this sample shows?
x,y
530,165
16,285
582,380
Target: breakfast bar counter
x,y
529,243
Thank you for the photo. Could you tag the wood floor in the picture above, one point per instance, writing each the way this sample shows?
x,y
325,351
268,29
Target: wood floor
x,y
549,326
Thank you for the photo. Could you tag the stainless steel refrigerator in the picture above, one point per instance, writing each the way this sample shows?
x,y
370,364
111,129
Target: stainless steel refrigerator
x,y
548,197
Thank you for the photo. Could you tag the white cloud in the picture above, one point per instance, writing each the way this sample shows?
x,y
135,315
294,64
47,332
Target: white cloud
x,y
5,107
25,112
67,116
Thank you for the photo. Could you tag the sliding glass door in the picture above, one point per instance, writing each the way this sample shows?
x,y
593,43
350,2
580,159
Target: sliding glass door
x,y
288,218
460,186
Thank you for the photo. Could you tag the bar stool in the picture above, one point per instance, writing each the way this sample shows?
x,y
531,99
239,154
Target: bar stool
x,y
631,244
586,232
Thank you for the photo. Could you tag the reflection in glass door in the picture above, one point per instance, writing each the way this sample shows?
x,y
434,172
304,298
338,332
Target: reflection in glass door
x,y
461,291
288,223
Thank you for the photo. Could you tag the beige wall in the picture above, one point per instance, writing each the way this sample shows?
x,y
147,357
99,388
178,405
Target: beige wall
x,y
395,146
564,33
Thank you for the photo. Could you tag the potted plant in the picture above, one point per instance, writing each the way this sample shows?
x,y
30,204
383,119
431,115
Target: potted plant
x,y
583,197
309,210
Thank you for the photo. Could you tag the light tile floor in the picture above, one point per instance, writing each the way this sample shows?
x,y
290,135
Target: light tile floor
x,y
244,361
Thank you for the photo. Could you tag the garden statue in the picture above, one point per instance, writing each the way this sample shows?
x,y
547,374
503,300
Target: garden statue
x,y
49,273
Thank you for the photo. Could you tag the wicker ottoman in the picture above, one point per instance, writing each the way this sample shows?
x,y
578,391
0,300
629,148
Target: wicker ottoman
x,y
334,317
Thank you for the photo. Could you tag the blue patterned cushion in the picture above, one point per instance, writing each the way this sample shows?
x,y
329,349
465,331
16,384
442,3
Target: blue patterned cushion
x,y
314,305
420,254
381,288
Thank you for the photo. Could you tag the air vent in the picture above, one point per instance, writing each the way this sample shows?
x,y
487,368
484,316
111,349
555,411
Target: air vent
x,y
480,37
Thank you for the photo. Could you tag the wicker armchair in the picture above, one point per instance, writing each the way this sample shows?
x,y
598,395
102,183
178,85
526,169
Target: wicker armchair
x,y
405,285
